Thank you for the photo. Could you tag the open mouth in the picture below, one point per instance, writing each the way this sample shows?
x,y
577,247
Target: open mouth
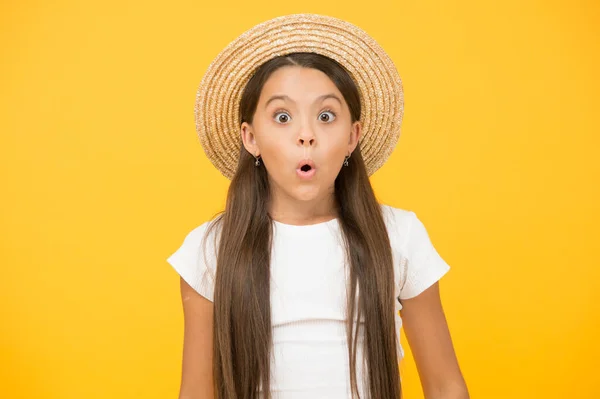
x,y
306,169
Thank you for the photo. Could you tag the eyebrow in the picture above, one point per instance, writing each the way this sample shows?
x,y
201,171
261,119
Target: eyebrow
x,y
287,98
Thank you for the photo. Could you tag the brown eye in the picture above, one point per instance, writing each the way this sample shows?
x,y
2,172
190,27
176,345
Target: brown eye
x,y
282,117
327,116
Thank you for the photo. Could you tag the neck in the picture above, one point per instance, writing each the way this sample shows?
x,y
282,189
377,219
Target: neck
x,y
289,210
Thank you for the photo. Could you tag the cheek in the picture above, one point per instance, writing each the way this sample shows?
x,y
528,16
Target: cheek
x,y
335,152
334,162
275,153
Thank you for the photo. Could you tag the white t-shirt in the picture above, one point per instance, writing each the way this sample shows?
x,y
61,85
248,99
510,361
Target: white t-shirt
x,y
308,296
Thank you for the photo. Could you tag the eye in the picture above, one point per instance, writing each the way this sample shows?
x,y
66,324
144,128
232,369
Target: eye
x,y
281,117
329,116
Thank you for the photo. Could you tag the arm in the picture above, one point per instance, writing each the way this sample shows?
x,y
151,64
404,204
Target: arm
x,y
197,367
429,339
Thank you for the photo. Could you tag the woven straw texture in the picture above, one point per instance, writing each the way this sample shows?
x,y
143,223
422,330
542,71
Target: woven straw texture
x,y
380,87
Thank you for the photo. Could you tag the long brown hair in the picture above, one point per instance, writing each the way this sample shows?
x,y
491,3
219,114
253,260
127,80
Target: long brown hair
x,y
242,311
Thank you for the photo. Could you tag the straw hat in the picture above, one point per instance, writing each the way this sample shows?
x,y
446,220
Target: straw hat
x,y
381,95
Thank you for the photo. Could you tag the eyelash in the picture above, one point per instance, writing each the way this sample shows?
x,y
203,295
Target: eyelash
x,y
279,111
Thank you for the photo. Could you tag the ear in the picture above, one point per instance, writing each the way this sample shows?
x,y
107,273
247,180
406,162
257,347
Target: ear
x,y
248,139
355,135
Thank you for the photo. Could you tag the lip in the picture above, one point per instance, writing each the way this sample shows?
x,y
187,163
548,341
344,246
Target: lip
x,y
306,175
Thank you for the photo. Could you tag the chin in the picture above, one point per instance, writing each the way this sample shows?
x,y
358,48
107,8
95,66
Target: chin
x,y
306,193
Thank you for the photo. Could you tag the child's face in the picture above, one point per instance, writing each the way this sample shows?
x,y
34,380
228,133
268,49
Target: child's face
x,y
302,126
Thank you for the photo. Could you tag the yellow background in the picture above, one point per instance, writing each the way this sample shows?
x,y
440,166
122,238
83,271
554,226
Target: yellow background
x,y
103,175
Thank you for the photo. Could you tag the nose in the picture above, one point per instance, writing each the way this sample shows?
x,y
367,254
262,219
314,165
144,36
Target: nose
x,y
306,137
309,141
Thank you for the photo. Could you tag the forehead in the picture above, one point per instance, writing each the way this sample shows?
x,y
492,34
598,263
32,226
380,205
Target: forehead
x,y
299,83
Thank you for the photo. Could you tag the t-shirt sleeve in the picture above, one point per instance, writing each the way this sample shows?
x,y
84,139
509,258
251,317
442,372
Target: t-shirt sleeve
x,y
195,261
422,265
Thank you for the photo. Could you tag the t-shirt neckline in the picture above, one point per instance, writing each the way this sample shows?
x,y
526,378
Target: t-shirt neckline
x,y
314,228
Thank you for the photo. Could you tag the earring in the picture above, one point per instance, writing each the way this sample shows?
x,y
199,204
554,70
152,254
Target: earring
x,y
257,162
346,160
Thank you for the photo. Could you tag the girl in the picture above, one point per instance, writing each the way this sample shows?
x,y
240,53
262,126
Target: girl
x,y
300,287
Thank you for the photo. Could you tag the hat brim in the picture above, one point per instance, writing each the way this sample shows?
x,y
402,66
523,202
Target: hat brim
x,y
379,84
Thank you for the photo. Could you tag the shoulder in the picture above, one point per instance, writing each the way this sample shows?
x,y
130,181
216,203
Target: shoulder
x,y
196,257
197,233
204,233
399,223
399,217
420,264
199,245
